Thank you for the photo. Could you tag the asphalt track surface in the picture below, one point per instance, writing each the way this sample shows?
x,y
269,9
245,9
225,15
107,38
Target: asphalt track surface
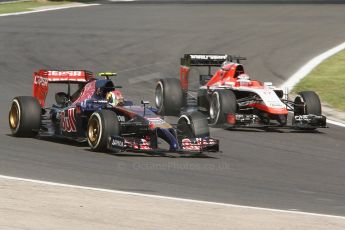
x,y
283,170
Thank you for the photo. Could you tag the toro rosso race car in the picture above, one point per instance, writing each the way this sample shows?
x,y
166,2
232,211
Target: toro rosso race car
x,y
229,98
97,113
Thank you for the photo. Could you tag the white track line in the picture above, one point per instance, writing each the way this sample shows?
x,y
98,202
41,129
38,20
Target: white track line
x,y
308,67
337,123
122,1
166,197
48,9
15,1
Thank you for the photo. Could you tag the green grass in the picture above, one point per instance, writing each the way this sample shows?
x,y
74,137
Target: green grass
x,y
28,5
327,80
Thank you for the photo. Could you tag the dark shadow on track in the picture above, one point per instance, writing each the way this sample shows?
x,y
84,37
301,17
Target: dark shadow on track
x,y
159,154
275,130
74,143
63,141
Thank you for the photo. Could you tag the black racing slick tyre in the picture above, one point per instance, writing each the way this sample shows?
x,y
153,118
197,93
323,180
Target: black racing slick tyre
x,y
25,116
311,100
222,102
101,125
169,97
193,125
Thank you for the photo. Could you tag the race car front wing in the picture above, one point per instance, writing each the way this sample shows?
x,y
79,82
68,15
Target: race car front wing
x,y
186,145
309,121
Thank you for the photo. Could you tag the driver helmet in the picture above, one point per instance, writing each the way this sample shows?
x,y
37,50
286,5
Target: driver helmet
x,y
115,98
226,65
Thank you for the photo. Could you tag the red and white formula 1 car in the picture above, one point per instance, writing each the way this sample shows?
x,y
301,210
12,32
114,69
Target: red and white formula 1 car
x,y
230,98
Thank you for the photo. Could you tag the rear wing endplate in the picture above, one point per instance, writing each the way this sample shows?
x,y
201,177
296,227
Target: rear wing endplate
x,y
44,77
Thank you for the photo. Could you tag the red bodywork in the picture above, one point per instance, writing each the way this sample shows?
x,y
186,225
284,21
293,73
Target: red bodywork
x,y
184,77
226,76
42,78
228,73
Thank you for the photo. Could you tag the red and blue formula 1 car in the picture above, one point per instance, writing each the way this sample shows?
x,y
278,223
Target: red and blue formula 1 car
x,y
97,113
229,98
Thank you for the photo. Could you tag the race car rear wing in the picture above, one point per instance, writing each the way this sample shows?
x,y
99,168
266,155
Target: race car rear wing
x,y
64,76
203,60
43,77
209,59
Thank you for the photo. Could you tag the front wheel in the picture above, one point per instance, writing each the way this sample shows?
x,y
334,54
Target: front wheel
x,y
102,124
193,125
307,102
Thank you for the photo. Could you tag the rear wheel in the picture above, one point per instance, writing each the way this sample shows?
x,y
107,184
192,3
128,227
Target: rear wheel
x,y
169,97
101,126
193,125
25,116
222,102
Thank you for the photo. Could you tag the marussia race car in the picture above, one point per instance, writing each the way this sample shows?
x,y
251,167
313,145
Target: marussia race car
x,y
98,113
229,98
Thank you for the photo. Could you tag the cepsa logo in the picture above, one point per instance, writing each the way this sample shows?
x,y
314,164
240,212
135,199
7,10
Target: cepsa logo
x,y
65,73
68,120
41,81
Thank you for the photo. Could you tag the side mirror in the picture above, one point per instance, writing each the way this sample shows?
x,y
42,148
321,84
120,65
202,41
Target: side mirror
x,y
107,75
203,79
61,98
145,102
